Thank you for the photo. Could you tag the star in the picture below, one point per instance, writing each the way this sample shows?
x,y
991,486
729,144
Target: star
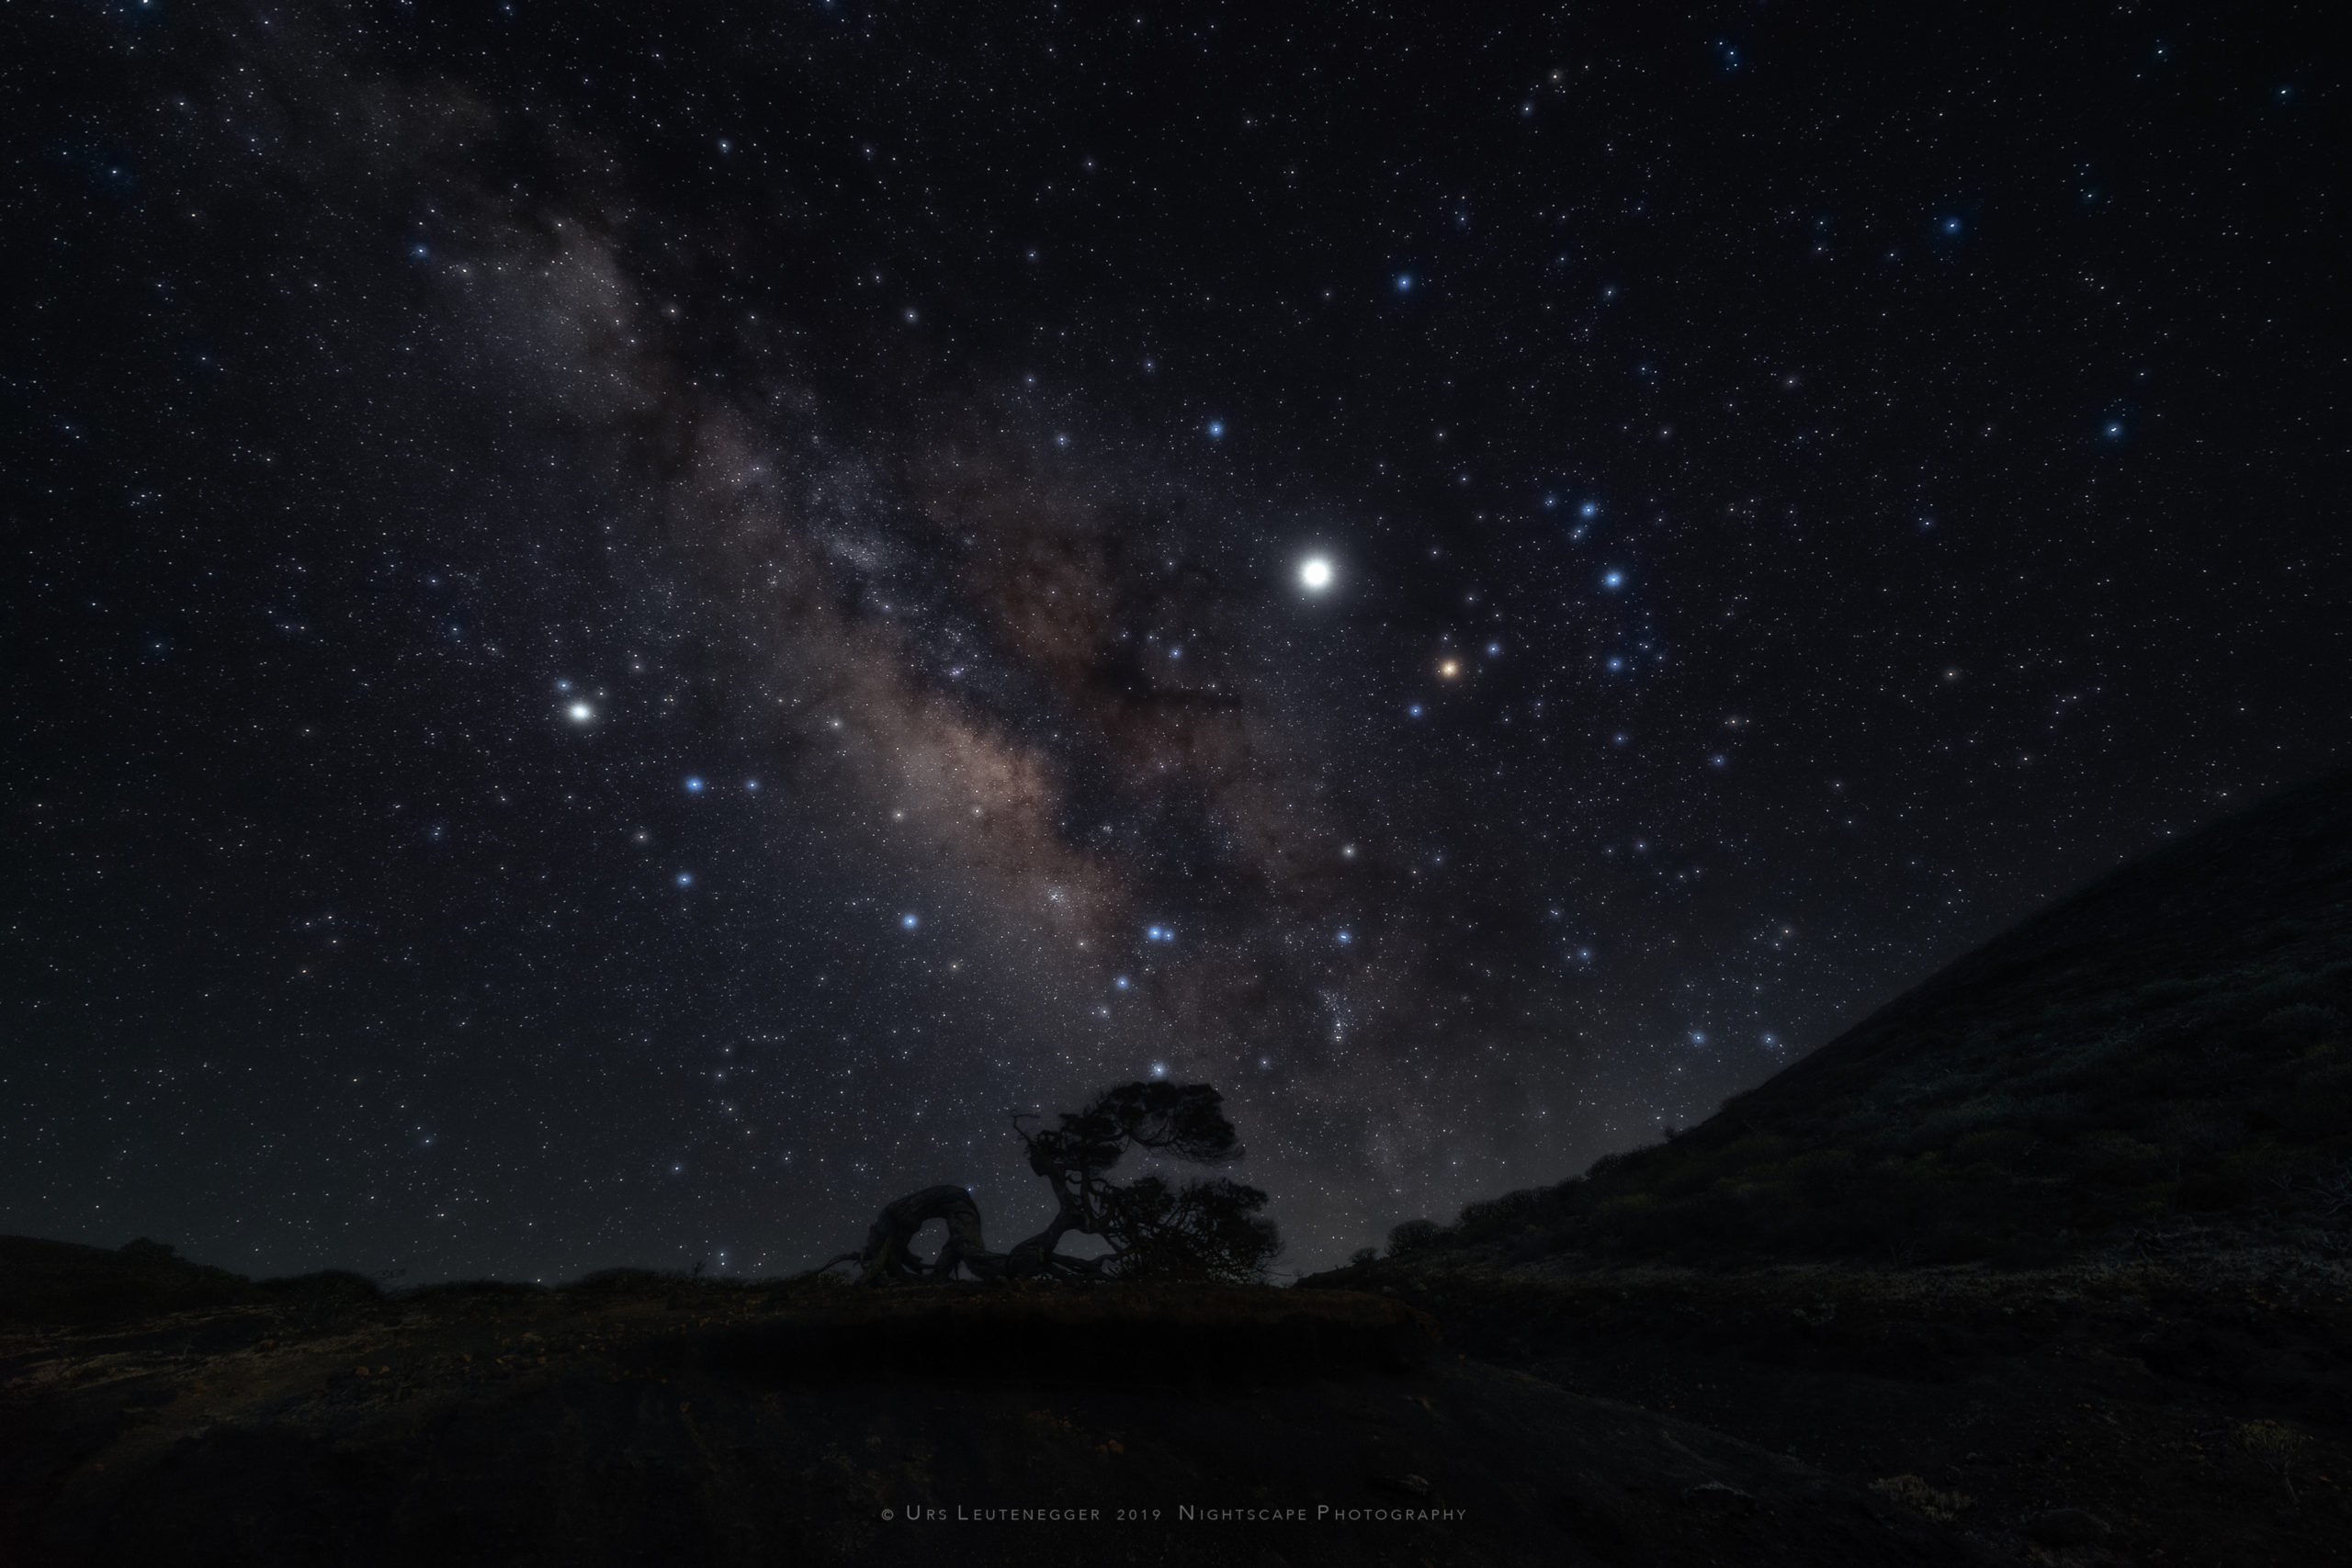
x,y
748,511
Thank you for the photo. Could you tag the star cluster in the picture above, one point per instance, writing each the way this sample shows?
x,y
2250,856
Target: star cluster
x,y
628,630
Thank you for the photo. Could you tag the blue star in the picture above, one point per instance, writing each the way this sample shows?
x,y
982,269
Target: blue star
x,y
685,879
1589,509
1217,430
1121,981
1612,578
1345,937
909,921
1404,283
694,784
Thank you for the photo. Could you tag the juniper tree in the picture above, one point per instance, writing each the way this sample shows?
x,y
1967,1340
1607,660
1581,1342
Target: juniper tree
x,y
1201,1230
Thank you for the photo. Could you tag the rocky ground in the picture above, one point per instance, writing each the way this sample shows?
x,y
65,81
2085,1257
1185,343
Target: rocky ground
x,y
2137,1413
655,1420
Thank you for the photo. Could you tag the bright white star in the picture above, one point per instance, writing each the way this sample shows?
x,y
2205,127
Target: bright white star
x,y
1314,574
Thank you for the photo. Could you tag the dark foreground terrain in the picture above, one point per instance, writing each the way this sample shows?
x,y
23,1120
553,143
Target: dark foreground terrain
x,y
155,1412
639,1419
2194,1419
2048,1261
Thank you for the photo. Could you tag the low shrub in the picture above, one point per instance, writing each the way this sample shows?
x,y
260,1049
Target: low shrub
x,y
1413,1235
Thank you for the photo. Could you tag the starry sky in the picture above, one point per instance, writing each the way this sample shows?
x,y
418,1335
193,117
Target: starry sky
x,y
627,624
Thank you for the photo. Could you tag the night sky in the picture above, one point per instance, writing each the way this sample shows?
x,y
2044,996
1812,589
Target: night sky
x,y
625,624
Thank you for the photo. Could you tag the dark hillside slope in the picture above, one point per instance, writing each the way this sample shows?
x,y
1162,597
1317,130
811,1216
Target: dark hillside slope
x,y
2164,1060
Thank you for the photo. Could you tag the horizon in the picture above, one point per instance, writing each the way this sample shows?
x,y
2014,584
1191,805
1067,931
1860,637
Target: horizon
x,y
630,628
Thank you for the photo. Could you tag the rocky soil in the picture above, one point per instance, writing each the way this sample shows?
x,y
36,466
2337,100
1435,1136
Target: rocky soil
x,y
653,1420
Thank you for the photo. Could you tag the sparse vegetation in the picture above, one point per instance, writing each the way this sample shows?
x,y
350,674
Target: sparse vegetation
x,y
2275,1446
1920,1497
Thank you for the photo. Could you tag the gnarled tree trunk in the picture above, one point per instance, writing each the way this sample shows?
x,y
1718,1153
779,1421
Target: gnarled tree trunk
x,y
886,1254
1208,1229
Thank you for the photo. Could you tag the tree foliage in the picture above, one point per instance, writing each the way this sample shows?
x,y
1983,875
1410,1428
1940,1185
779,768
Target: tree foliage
x,y
1209,1230
1203,1230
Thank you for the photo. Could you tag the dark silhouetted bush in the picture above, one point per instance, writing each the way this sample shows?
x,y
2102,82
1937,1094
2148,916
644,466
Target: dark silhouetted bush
x,y
1413,1235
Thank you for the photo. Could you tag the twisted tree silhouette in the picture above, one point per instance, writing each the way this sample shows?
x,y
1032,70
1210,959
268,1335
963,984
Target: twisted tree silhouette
x,y
1203,1230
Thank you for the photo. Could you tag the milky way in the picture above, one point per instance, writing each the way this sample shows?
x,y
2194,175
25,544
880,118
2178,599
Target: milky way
x,y
633,636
